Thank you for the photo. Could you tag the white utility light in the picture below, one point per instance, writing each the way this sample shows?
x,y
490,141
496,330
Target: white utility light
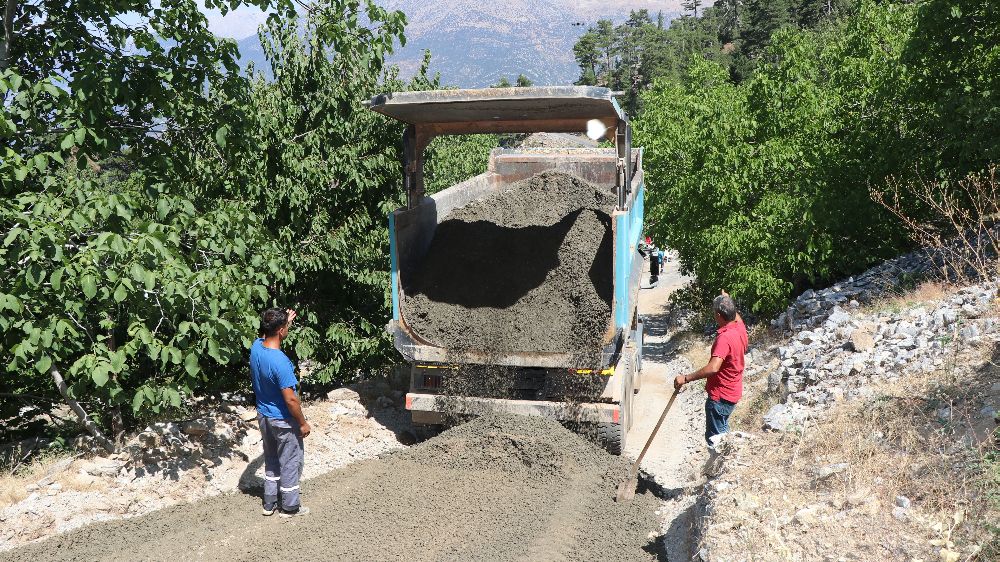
x,y
596,129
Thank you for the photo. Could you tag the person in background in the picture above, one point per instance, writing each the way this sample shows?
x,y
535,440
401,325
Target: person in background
x,y
279,414
724,370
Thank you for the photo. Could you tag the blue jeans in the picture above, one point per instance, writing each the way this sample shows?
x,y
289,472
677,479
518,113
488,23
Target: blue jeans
x,y
717,414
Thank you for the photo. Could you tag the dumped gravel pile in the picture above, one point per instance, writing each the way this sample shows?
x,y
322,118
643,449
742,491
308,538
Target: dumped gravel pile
x,y
528,269
497,488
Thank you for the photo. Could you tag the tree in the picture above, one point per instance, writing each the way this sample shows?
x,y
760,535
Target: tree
x,y
691,7
155,200
955,54
523,81
761,185
503,82
323,172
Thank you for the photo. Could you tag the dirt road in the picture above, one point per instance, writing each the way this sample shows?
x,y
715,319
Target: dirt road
x,y
678,454
496,488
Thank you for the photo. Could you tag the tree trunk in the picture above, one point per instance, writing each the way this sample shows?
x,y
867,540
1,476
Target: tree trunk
x,y
81,414
8,33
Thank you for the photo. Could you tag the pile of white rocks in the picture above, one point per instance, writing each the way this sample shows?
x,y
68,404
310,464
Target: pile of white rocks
x,y
813,307
842,351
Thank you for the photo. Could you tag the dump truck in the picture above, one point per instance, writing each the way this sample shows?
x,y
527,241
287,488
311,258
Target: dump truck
x,y
564,109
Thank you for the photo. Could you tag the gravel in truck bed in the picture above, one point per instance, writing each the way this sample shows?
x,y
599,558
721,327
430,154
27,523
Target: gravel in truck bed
x,y
528,269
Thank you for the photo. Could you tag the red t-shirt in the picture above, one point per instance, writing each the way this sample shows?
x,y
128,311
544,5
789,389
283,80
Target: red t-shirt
x,y
730,346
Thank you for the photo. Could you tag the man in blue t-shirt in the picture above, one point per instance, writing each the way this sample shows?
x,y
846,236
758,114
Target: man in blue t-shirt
x,y
279,414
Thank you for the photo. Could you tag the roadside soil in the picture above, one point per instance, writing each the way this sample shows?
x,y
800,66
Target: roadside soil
x,y
676,458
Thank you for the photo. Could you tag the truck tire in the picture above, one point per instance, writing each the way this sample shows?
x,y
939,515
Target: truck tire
x,y
611,436
423,432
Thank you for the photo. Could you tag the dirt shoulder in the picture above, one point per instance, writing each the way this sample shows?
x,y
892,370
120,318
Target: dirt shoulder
x,y
175,463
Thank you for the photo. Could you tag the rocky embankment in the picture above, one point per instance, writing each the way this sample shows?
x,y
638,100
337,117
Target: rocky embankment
x,y
865,426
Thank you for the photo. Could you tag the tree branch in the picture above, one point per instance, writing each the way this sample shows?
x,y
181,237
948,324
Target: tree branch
x,y
8,33
81,414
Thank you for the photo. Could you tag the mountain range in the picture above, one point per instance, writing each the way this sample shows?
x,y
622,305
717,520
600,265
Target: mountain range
x,y
474,43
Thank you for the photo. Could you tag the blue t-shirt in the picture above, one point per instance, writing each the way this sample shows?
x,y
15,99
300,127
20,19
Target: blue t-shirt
x,y
271,371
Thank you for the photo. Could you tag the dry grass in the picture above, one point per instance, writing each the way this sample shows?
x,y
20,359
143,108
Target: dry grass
x,y
924,439
927,291
53,467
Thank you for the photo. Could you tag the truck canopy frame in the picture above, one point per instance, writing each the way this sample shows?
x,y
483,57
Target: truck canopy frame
x,y
550,109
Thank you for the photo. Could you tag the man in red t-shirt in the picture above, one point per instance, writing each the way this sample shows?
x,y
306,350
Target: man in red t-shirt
x,y
724,370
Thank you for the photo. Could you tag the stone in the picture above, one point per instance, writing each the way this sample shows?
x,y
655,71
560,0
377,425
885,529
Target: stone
x,y
903,502
837,317
101,466
148,440
774,381
829,470
384,402
248,415
969,310
252,437
899,513
339,409
805,516
949,316
224,432
969,333
781,417
906,329
340,394
196,428
861,339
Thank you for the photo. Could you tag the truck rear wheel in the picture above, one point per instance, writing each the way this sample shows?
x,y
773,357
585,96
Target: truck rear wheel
x,y
611,436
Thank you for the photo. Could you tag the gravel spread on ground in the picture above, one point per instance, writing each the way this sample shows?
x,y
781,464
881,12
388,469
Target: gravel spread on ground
x,y
499,488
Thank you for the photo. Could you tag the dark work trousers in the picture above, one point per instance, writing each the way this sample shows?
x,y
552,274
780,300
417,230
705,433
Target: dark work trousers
x,y
717,414
282,461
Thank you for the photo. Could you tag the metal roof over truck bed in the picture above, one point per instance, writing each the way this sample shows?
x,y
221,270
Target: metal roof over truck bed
x,y
498,110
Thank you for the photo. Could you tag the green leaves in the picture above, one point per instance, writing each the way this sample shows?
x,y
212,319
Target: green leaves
x,y
88,283
762,186
43,364
220,136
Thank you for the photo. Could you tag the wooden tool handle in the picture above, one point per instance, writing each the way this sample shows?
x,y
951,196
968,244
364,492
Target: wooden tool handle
x,y
635,466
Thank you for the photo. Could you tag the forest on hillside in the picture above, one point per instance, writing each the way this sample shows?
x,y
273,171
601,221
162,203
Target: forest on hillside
x,y
773,129
155,198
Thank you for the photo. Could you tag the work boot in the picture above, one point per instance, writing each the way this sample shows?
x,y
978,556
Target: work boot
x,y
302,510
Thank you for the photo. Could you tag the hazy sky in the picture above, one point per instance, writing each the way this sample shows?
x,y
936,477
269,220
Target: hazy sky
x,y
239,23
